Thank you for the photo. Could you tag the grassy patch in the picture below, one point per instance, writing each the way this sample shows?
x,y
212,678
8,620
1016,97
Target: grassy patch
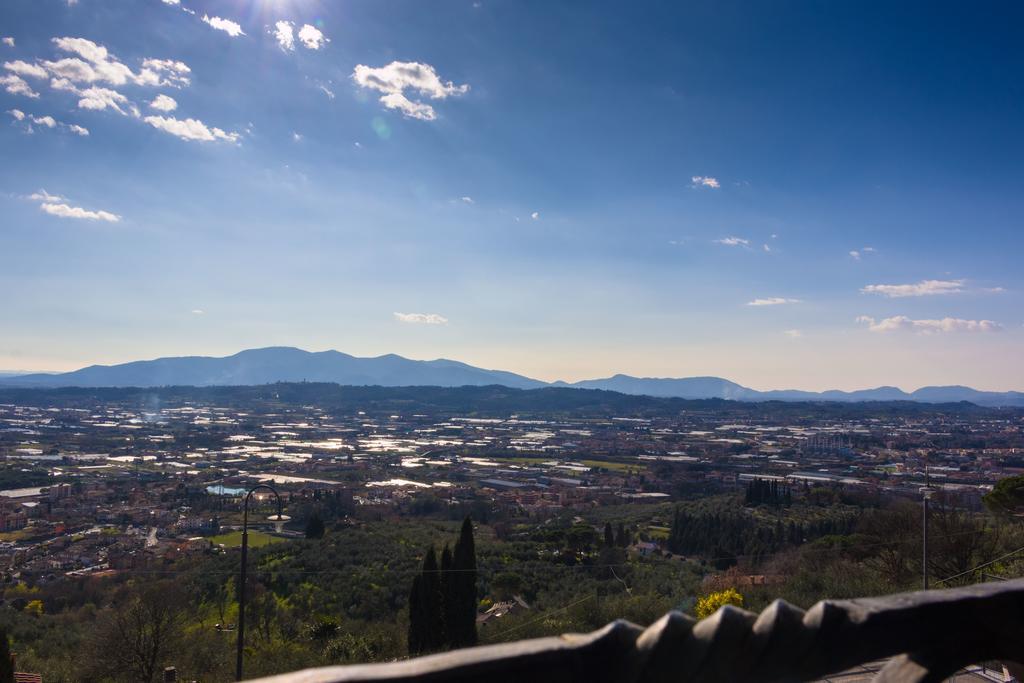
x,y
616,466
233,539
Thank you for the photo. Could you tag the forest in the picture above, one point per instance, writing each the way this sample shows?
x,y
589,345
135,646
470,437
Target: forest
x,y
365,588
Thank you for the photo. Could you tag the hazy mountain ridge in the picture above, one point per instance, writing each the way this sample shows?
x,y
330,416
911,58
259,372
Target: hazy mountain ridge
x,y
286,364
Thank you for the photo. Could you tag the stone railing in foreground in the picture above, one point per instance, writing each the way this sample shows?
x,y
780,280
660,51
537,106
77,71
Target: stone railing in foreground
x,y
927,635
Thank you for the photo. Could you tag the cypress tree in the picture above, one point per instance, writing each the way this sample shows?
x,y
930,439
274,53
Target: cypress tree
x,y
448,589
609,537
621,539
433,635
426,620
315,526
6,664
415,635
462,628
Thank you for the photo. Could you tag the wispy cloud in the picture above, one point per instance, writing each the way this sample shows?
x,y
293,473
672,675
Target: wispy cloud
x,y
467,200
190,129
793,334
857,254
229,27
902,323
45,121
103,98
8,41
396,78
733,241
55,206
923,288
535,216
23,68
421,318
772,301
16,85
702,181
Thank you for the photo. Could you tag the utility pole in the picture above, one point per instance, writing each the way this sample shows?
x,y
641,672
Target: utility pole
x,y
278,521
926,492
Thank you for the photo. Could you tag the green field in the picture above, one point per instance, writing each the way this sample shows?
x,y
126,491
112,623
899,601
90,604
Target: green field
x,y
233,539
616,466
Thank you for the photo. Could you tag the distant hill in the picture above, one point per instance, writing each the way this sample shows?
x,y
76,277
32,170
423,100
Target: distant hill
x,y
279,364
286,364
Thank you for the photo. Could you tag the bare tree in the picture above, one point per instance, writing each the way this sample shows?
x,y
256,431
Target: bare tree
x,y
135,639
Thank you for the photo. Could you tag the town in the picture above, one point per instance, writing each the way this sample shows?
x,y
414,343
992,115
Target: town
x,y
137,480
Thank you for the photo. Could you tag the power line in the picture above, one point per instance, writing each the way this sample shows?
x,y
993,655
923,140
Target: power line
x,y
981,566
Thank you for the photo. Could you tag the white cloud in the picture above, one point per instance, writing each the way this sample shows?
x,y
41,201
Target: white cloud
x,y
198,311
229,27
25,69
766,248
160,72
190,129
54,206
101,98
172,2
8,41
312,38
297,137
901,323
793,334
102,66
734,241
284,33
772,301
923,288
45,197
46,121
397,77
421,318
16,85
855,255
93,63
163,103
535,215
467,200
327,91
705,181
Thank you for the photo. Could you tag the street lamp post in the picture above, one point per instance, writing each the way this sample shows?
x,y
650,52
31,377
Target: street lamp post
x,y
926,494
279,520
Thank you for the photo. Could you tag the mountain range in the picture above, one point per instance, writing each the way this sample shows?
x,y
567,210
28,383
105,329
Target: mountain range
x,y
286,364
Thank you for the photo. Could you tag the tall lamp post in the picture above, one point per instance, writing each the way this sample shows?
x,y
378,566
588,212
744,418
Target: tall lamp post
x,y
279,521
926,495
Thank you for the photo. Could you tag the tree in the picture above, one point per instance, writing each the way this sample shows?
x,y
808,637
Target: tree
x,y
315,526
135,640
621,537
1007,497
462,626
6,664
609,537
426,613
448,589
709,604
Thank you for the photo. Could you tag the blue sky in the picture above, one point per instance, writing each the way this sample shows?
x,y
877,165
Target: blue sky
x,y
812,195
